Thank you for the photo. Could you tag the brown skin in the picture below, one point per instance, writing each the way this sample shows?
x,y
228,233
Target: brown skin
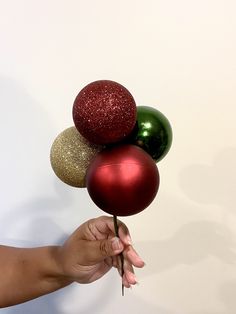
x,y
88,254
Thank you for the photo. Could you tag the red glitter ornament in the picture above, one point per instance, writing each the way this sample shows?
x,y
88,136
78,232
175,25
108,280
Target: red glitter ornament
x,y
104,112
122,180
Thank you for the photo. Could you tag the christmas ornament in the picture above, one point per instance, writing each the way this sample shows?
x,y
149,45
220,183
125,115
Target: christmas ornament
x,y
122,180
153,132
104,112
70,156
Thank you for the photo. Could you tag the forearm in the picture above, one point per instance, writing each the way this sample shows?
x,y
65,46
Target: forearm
x,y
26,274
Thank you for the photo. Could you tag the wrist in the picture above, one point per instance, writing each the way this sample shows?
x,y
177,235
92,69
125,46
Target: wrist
x,y
58,273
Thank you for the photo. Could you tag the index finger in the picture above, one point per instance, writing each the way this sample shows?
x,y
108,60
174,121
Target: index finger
x,y
105,225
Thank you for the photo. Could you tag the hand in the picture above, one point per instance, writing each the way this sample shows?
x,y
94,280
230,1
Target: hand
x,y
92,250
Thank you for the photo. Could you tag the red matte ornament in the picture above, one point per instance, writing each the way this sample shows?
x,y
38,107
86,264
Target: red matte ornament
x,y
122,180
104,112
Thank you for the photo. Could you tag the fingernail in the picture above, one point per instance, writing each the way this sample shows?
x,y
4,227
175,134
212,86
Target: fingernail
x,y
135,278
129,241
115,243
144,264
141,260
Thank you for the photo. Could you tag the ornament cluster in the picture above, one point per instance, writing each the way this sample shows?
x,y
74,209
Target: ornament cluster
x,y
113,148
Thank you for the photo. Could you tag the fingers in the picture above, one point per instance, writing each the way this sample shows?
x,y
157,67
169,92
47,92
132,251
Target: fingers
x,y
97,251
131,259
104,225
129,277
102,229
132,256
124,233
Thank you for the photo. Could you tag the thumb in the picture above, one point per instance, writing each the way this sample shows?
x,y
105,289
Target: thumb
x,y
100,249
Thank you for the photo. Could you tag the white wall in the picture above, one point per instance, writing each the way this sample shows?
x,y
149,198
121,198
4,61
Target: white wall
x,y
177,56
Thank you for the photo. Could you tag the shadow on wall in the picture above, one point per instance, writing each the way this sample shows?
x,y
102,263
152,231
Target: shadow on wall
x,y
215,184
26,137
191,244
35,219
212,184
227,296
198,240
25,134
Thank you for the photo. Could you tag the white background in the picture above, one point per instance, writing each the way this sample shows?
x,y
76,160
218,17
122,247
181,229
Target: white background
x,y
177,56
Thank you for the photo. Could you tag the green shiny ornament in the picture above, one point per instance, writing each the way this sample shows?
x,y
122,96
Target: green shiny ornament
x,y
153,132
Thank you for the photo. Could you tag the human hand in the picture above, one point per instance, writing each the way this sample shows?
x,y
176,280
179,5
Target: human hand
x,y
92,250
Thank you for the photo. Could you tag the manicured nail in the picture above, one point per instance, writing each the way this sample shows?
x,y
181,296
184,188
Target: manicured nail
x,y
144,264
141,260
135,278
116,245
129,241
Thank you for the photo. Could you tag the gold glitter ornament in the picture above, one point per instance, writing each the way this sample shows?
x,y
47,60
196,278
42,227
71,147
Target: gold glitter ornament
x,y
70,157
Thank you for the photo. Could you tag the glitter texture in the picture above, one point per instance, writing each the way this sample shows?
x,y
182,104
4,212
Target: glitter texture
x,y
104,112
70,157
